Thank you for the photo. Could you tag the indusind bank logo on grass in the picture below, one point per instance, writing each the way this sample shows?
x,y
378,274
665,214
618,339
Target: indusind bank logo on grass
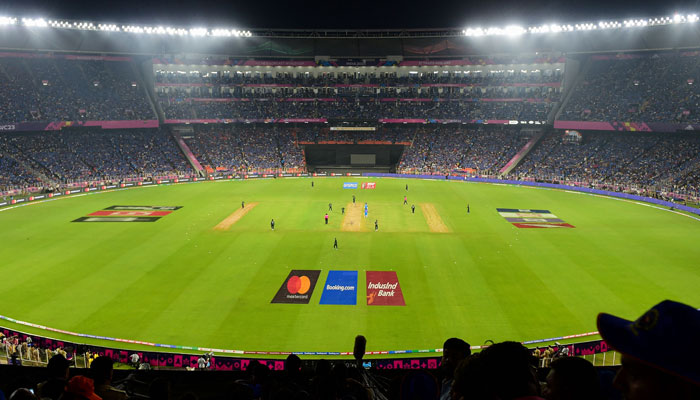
x,y
383,289
298,287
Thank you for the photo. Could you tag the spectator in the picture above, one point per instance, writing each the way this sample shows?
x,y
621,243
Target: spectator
x,y
572,378
80,388
454,350
58,369
102,370
509,372
650,370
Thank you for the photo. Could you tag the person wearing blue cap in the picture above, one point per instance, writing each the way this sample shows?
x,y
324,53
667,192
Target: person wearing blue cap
x,y
660,352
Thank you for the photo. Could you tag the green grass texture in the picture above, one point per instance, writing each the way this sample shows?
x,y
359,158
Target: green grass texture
x,y
178,281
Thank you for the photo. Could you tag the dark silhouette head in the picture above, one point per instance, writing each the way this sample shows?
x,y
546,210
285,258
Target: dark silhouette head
x,y
102,368
572,378
509,371
454,350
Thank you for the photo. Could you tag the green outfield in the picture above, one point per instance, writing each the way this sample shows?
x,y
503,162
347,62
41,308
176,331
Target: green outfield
x,y
180,281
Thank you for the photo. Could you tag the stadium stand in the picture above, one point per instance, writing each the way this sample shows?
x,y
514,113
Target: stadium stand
x,y
652,163
493,94
443,149
88,155
64,88
656,87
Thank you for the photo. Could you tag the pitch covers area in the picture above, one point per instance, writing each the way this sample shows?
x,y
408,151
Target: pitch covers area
x,y
210,271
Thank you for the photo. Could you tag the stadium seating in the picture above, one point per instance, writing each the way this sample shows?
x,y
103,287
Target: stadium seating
x,y
61,89
659,162
493,95
659,87
68,157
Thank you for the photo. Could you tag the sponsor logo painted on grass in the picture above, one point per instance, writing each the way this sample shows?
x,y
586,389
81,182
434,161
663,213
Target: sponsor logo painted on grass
x,y
534,220
522,210
129,214
350,185
341,288
153,208
369,185
526,218
132,213
527,215
383,289
543,225
117,219
298,287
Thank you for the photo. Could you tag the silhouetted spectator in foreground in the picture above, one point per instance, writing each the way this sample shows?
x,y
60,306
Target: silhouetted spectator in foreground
x,y
102,369
572,378
509,372
650,369
454,350
58,369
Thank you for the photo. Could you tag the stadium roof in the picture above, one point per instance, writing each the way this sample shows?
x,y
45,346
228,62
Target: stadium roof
x,y
542,34
357,14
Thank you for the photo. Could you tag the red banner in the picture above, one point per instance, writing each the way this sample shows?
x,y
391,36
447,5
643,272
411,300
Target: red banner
x,y
383,289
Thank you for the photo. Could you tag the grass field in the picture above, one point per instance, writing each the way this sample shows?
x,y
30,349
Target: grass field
x,y
180,281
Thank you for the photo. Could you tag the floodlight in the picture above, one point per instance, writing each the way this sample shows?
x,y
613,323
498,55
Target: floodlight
x,y
7,21
38,22
198,32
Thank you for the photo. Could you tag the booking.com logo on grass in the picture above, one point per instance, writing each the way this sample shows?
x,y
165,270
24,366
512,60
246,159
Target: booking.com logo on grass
x,y
340,288
350,185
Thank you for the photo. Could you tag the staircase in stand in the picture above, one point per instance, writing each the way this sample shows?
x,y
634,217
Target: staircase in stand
x,y
177,135
34,171
520,155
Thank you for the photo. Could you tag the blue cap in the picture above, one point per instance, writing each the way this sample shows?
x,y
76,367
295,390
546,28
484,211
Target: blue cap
x,y
666,337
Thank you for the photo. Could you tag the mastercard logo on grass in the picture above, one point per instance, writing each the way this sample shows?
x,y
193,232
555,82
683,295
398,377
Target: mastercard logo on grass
x,y
298,284
297,287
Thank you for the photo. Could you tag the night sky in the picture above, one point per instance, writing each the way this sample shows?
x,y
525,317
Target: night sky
x,y
359,14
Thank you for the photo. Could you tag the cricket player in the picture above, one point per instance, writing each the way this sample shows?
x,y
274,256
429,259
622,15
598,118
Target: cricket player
x,y
376,225
413,208
272,224
326,218
335,243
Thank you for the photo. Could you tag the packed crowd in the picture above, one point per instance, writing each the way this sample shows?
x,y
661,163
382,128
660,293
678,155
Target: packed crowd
x,y
71,156
669,162
477,77
430,92
655,162
506,371
353,108
58,89
647,88
443,149
14,175
244,148
502,94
